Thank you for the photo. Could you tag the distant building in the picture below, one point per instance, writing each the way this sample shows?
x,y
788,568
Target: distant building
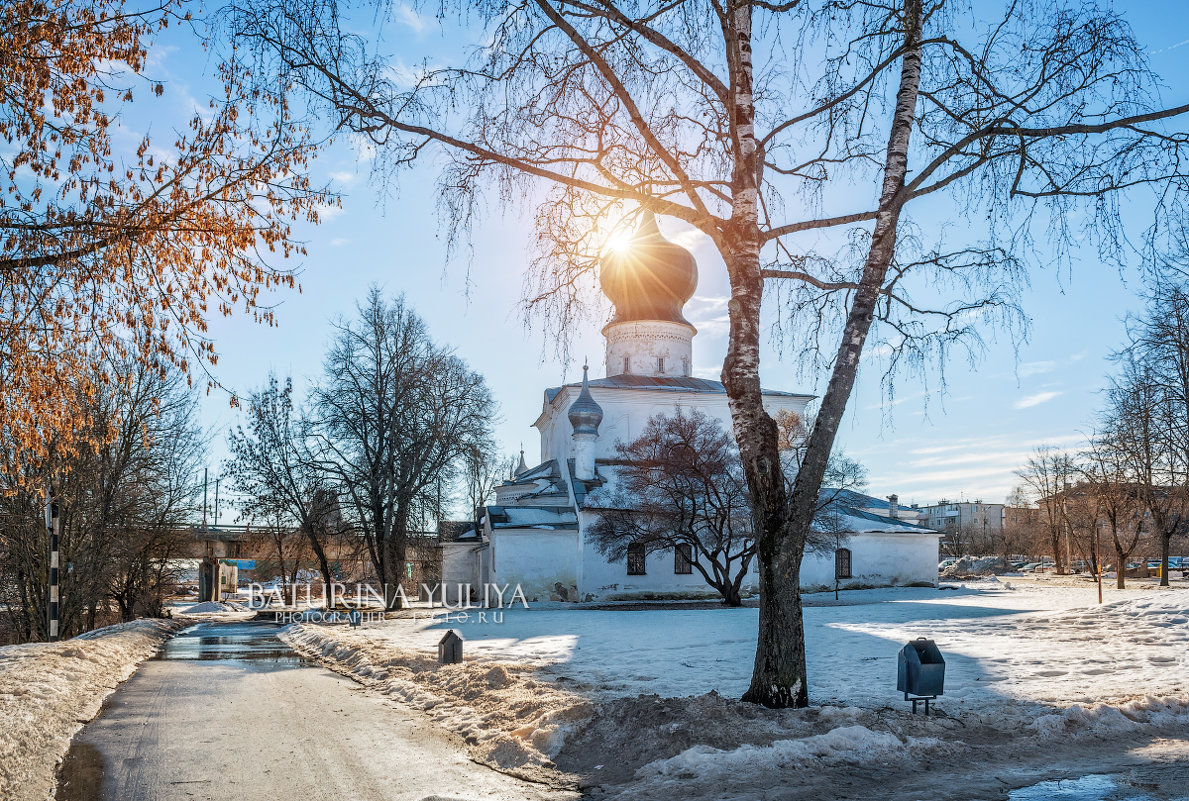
x,y
1020,517
969,516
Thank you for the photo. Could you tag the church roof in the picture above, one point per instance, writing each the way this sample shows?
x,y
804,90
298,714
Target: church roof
x,y
540,517
851,506
665,383
457,531
651,279
585,415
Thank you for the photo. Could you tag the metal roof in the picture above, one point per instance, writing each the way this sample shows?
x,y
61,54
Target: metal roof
x,y
665,383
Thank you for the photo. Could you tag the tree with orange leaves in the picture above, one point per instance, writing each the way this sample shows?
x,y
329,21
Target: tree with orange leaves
x,y
108,255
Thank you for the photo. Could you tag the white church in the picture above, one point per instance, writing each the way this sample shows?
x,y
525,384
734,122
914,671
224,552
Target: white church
x,y
535,534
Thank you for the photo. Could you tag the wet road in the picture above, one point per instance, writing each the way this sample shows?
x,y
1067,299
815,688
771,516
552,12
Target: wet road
x,y
227,711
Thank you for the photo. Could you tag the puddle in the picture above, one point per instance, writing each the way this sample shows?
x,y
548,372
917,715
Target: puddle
x,y
81,774
251,644
250,641
1095,787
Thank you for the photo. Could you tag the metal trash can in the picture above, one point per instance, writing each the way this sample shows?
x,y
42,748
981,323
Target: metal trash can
x,y
920,672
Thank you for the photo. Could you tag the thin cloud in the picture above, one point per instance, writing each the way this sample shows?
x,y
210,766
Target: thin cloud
x,y
410,18
1035,400
1036,368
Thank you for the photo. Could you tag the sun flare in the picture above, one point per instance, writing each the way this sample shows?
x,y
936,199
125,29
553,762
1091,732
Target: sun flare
x,y
618,242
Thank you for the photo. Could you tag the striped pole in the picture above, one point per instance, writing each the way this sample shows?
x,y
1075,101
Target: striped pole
x,y
51,527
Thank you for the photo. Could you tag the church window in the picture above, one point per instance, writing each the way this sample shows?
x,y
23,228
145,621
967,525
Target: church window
x,y
842,563
683,559
684,365
660,364
636,559
627,364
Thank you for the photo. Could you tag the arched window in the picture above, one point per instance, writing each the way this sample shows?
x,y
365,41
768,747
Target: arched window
x,y
842,563
636,559
683,558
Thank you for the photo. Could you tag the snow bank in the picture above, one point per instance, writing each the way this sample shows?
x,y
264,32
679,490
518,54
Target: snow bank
x,y
507,718
717,770
1100,721
975,566
49,690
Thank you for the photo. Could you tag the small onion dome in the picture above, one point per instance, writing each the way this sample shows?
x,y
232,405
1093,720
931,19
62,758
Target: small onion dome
x,y
585,415
522,467
651,278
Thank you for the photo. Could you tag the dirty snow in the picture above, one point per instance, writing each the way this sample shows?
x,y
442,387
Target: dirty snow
x,y
49,690
1038,659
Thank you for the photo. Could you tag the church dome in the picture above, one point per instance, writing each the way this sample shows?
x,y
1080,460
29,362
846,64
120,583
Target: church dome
x,y
585,415
651,279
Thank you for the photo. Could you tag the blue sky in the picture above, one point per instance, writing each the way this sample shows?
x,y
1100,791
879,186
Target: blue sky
x,y
924,446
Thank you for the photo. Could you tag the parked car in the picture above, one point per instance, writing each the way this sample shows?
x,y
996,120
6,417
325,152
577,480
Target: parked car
x,y
944,563
1033,567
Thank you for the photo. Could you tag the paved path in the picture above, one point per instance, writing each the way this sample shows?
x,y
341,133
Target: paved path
x,y
228,712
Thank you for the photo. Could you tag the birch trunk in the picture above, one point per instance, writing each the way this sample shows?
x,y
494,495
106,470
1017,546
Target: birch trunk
x,y
782,523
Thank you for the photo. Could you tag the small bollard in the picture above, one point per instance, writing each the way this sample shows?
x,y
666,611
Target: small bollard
x,y
450,649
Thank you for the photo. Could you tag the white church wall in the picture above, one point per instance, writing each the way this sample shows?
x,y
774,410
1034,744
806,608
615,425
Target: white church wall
x,y
543,562
649,347
460,565
877,560
609,581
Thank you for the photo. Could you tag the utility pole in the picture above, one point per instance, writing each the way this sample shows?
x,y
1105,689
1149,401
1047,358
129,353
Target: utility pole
x,y
217,480
204,499
52,529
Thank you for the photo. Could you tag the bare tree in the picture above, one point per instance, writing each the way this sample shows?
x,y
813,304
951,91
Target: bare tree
x,y
124,500
1115,493
483,472
1047,475
679,487
273,471
713,113
1156,380
1021,525
396,418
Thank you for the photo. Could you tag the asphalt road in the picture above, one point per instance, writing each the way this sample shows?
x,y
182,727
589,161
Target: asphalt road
x,y
228,712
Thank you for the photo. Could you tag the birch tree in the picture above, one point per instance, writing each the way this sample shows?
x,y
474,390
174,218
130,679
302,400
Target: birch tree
x,y
795,136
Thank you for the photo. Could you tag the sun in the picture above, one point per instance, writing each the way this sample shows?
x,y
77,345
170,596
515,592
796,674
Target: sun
x,y
618,242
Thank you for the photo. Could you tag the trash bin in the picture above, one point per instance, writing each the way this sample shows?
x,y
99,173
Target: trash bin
x,y
920,672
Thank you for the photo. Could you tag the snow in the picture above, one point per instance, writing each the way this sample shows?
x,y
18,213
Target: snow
x,y
1002,642
717,769
49,690
209,607
1036,658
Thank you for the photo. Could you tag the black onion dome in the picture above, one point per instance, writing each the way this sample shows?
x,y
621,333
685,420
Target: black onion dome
x,y
585,415
651,279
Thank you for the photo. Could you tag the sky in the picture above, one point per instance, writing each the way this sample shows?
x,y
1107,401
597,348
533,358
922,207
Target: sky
x,y
924,445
